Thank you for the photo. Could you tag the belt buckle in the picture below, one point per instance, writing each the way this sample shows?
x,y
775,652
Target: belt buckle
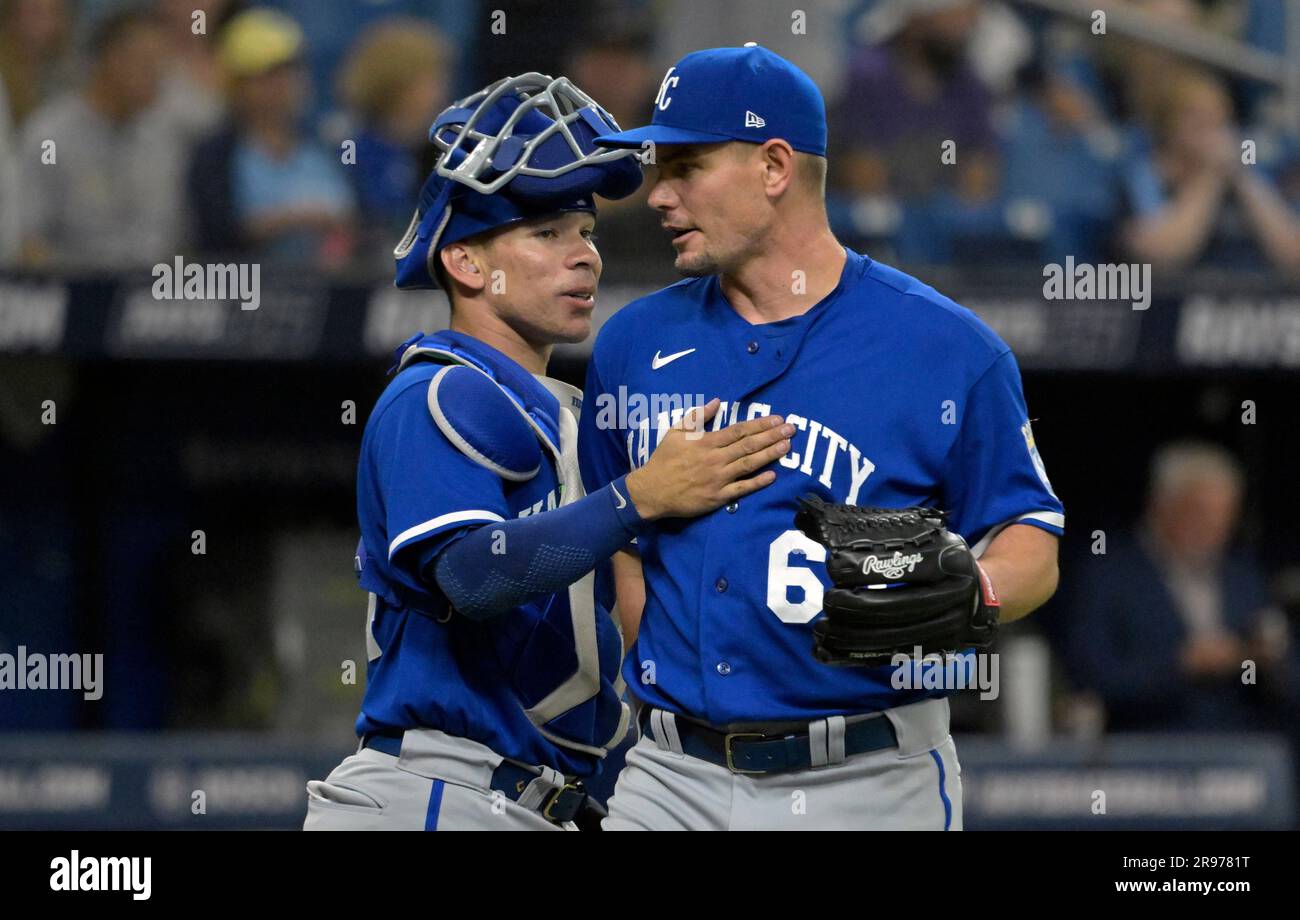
x,y
726,747
575,786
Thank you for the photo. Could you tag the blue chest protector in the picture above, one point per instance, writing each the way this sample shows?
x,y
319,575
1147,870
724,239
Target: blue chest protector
x,y
461,438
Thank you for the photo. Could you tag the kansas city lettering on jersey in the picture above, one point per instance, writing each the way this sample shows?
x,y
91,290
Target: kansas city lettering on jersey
x,y
549,503
816,450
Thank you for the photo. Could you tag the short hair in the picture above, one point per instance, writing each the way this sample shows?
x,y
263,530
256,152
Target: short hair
x,y
810,171
1176,465
441,278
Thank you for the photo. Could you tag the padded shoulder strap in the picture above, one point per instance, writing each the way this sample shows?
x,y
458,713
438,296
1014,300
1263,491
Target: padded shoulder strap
x,y
484,423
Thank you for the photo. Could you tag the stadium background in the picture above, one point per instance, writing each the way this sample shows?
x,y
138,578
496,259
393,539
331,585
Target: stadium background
x,y
222,669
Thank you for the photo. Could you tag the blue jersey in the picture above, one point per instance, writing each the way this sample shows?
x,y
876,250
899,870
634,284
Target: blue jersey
x,y
428,666
899,397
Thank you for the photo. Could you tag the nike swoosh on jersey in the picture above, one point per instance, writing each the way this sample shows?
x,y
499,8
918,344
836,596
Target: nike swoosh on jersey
x,y
622,502
659,362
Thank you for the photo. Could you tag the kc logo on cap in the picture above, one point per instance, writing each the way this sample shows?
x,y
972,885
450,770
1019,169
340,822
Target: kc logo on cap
x,y
663,100
745,94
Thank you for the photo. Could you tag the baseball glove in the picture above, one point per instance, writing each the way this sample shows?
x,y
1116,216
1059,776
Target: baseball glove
x,y
902,580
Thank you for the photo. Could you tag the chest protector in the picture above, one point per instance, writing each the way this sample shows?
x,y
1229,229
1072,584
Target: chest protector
x,y
550,648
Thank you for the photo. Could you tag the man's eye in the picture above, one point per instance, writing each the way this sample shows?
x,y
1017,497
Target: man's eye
x,y
547,233
590,236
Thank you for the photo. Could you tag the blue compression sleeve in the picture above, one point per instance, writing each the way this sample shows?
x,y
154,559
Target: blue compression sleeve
x,y
496,567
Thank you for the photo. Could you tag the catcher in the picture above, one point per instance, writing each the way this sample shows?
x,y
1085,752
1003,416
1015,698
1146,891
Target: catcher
x,y
492,686
766,696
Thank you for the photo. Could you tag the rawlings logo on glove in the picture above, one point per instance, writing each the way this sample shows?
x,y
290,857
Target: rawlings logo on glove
x,y
893,567
901,580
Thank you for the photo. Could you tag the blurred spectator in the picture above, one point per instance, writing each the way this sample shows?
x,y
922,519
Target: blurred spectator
x,y
903,99
1160,625
682,26
615,66
1138,74
395,82
191,89
1057,130
262,187
9,223
34,59
996,44
330,29
1190,197
916,162
531,36
102,166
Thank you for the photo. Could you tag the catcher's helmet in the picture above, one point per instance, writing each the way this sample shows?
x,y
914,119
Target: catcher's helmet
x,y
521,148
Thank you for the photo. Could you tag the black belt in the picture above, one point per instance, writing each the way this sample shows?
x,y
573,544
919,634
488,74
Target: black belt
x,y
571,802
772,751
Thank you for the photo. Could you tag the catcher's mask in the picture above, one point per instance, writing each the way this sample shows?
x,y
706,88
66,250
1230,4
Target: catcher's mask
x,y
521,148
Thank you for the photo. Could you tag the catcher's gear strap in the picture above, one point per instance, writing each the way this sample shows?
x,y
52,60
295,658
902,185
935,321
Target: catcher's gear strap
x,y
484,424
559,437
533,398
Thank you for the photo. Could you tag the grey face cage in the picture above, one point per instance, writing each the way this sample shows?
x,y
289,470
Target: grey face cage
x,y
522,147
497,131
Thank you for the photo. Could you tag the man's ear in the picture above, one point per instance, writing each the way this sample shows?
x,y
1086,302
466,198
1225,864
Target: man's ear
x,y
779,166
460,262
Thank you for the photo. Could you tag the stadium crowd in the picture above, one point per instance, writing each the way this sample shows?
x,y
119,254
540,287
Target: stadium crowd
x,y
964,132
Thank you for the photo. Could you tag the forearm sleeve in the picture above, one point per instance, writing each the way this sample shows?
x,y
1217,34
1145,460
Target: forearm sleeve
x,y
496,567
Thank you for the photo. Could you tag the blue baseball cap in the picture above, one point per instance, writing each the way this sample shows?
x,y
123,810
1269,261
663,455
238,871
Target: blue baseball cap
x,y
733,94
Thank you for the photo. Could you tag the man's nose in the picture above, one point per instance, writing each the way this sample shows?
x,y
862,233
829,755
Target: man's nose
x,y
662,197
585,255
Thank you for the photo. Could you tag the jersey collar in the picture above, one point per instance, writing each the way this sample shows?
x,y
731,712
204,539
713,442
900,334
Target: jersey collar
x,y
854,265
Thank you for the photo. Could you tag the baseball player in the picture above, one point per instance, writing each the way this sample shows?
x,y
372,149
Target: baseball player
x,y
492,671
757,664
